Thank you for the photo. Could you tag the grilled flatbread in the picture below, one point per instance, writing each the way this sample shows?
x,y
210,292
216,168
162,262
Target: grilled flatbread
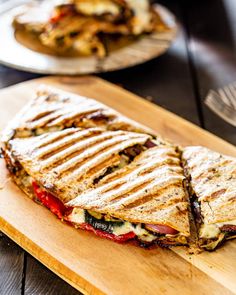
x,y
147,197
212,179
124,186
70,161
53,109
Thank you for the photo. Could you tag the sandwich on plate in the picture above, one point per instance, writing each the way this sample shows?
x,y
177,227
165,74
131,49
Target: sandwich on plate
x,y
83,26
120,185
212,180
52,109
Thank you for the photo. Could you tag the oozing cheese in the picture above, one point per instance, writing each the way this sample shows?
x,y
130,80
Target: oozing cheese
x,y
127,227
77,216
211,231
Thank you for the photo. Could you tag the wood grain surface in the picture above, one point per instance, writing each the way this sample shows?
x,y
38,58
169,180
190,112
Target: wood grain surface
x,y
39,282
98,266
11,258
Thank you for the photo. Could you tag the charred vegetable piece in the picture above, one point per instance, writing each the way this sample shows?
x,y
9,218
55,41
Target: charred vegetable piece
x,y
228,228
98,116
133,151
212,245
101,224
197,212
149,144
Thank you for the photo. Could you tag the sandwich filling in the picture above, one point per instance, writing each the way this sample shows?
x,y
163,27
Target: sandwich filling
x,y
212,235
120,230
106,226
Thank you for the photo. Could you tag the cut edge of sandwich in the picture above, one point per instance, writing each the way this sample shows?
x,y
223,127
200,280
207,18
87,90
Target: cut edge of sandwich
x,y
128,213
216,227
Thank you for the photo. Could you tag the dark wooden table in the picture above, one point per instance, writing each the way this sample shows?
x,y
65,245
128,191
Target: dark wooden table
x,y
202,57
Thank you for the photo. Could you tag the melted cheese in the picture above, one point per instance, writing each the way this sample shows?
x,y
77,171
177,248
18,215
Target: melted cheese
x,y
211,231
127,227
98,7
78,217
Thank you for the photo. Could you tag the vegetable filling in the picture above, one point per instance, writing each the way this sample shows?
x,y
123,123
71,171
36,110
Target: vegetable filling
x,y
106,226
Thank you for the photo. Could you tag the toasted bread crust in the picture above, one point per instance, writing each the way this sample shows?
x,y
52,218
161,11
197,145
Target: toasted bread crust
x,y
67,162
53,109
213,180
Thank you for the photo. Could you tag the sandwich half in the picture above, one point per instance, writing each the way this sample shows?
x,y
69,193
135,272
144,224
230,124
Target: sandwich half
x,y
120,185
52,109
145,201
212,180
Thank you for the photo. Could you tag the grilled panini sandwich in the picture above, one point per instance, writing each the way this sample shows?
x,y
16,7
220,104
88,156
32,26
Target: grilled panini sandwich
x,y
118,184
82,25
146,200
68,162
53,109
212,178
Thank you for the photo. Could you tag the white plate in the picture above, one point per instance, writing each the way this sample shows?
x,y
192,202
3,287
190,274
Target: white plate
x,y
14,54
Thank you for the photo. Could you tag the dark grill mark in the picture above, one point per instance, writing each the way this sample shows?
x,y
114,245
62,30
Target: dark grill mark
x,y
70,119
97,116
68,145
41,115
57,138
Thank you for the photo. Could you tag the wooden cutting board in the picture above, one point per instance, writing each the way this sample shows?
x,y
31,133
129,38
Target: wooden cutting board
x,y
94,265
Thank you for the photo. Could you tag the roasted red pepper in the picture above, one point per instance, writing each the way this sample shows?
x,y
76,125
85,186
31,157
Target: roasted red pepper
x,y
103,234
61,12
48,200
58,208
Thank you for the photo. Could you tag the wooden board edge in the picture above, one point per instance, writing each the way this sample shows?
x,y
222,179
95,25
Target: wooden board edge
x,y
49,261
